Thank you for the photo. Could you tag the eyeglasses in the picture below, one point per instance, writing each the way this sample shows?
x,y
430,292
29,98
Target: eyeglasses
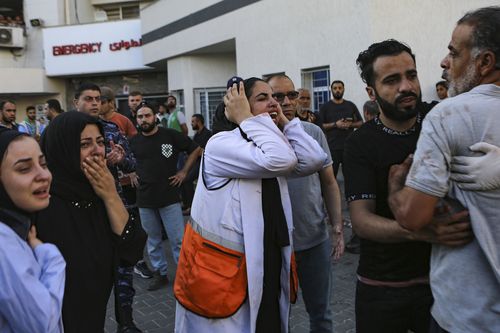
x,y
280,97
97,99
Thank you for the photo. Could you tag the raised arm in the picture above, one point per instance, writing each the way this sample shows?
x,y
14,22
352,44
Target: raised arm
x,y
310,156
257,149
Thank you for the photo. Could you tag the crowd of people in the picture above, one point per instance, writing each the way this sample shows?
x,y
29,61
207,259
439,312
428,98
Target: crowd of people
x,y
82,196
9,21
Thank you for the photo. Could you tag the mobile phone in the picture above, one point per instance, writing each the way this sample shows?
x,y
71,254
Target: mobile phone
x,y
233,80
348,119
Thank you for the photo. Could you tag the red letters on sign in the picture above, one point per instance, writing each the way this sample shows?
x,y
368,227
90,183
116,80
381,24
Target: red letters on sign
x,y
125,44
76,49
85,48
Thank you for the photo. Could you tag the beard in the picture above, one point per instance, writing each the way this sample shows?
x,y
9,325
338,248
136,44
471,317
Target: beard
x,y
6,120
393,112
148,127
338,96
195,127
466,82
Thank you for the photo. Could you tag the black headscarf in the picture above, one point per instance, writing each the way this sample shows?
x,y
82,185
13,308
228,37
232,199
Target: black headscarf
x,y
76,221
220,122
11,215
61,145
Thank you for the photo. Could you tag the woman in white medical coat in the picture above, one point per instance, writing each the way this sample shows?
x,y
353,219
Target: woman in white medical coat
x,y
241,210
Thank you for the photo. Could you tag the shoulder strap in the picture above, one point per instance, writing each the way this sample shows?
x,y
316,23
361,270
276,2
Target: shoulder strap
x,y
203,176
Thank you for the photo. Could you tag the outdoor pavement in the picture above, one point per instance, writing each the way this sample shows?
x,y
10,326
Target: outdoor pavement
x,y
154,311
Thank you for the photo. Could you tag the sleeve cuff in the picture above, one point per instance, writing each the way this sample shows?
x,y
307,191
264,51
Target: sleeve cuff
x,y
361,196
424,188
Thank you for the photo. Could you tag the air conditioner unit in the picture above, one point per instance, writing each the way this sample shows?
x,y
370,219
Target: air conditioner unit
x,y
12,37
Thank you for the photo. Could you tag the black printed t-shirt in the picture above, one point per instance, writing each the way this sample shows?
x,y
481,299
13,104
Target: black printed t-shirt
x,y
368,154
331,113
157,157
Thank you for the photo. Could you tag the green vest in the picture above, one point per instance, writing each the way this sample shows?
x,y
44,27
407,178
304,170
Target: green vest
x,y
173,122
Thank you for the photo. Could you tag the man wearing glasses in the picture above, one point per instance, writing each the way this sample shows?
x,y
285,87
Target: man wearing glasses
x,y
311,240
339,118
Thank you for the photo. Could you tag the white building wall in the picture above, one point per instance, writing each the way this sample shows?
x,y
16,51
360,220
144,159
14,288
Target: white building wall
x,y
199,71
304,37
23,75
290,35
162,12
426,26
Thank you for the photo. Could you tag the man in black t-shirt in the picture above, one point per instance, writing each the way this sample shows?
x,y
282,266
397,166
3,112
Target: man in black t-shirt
x,y
201,137
158,196
393,293
338,118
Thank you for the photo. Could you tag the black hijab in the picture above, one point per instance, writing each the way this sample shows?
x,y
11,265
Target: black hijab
x,y
220,122
76,221
61,145
11,215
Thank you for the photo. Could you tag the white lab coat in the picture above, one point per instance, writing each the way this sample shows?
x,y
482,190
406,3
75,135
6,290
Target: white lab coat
x,y
233,212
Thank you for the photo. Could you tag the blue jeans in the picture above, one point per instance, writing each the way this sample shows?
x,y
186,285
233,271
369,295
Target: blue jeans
x,y
152,220
314,268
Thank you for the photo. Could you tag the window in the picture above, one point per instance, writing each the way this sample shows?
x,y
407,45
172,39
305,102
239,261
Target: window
x,y
206,101
318,82
119,11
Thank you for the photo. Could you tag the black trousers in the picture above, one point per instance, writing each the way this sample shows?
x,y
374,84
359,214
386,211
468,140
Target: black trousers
x,y
393,310
435,328
338,159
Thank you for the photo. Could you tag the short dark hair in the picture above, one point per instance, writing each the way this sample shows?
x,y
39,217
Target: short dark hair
x,y
337,81
30,107
371,107
442,84
200,117
2,103
86,86
390,47
107,94
135,93
486,29
148,105
54,105
277,76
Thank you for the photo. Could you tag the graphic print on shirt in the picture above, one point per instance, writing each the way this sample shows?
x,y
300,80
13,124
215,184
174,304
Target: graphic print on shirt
x,y
166,150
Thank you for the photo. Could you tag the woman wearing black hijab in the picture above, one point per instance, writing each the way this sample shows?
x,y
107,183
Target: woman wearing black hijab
x,y
86,219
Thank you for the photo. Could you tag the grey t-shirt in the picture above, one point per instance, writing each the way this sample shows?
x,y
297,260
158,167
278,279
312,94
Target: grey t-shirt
x,y
307,203
465,281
